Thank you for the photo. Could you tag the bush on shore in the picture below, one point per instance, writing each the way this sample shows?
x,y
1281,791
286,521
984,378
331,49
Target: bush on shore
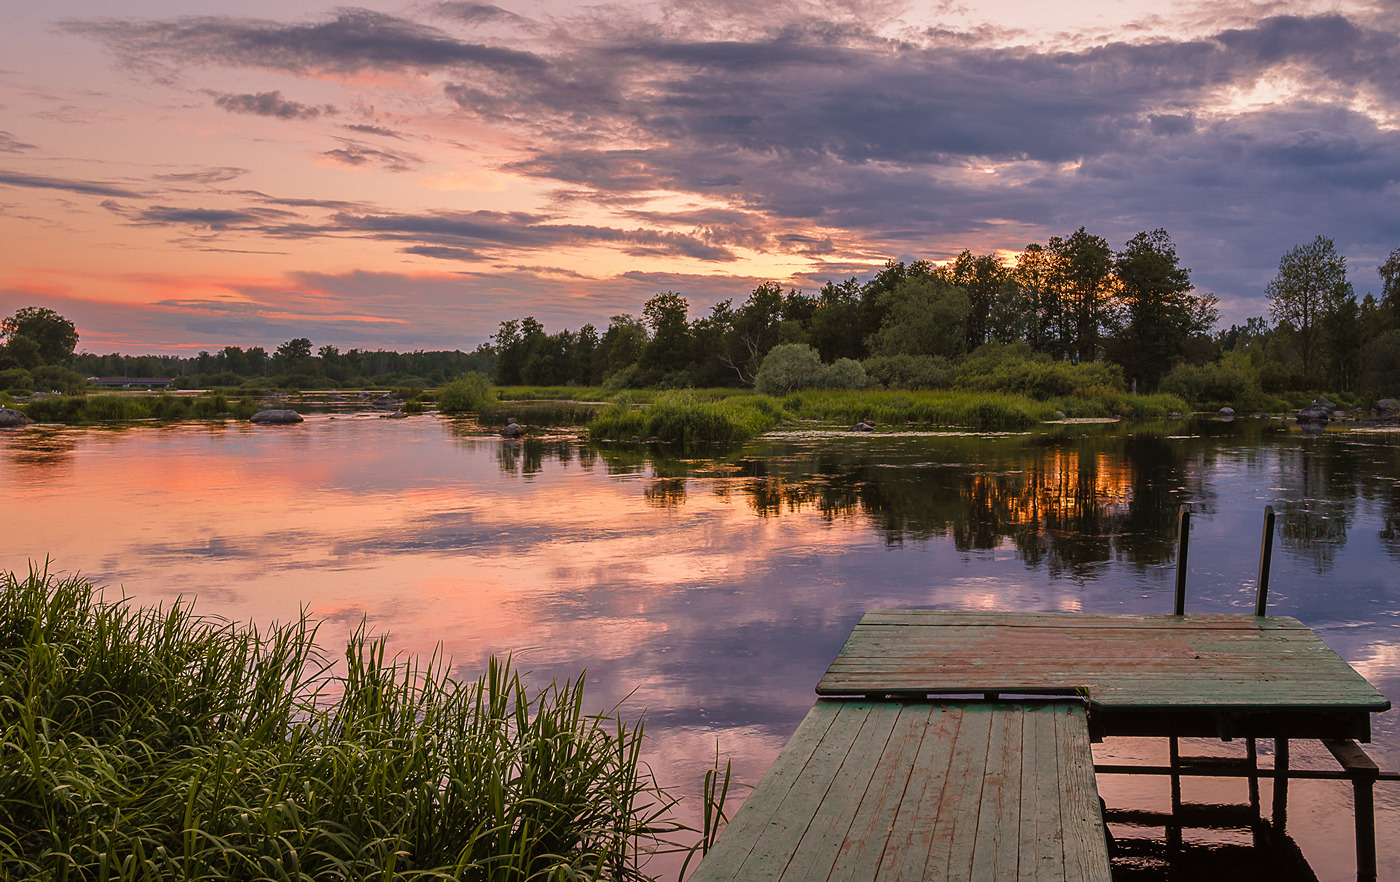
x,y
155,744
465,395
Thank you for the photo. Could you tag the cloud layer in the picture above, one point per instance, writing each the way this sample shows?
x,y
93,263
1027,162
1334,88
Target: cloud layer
x,y
793,143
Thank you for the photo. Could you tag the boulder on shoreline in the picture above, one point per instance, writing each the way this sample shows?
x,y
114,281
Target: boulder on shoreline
x,y
11,418
275,417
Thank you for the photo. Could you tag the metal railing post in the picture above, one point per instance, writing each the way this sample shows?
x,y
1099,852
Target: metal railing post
x,y
1183,539
1266,554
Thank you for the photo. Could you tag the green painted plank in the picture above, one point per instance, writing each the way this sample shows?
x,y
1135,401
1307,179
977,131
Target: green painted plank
x,y
912,846
958,814
999,815
1042,854
837,808
1085,843
750,824
869,835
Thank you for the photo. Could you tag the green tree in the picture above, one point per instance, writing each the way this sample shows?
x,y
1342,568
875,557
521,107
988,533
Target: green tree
x,y
1082,275
1390,286
926,316
1154,290
1311,284
669,347
1037,300
54,336
985,280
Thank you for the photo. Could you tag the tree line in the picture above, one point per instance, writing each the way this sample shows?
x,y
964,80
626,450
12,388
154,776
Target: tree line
x,y
1072,299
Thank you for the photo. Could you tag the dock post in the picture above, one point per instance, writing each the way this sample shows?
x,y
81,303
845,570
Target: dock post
x,y
1266,554
1280,817
1183,538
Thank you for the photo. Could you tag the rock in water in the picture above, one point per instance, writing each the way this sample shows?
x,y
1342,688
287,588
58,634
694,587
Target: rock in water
x,y
1319,411
512,430
862,426
275,417
10,418
1226,413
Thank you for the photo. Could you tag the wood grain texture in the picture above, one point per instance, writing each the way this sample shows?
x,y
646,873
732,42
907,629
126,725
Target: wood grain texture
x,y
1121,663
897,791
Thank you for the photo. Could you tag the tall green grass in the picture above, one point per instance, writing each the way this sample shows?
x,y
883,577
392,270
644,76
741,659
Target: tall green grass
x,y
541,412
977,410
126,408
683,417
143,744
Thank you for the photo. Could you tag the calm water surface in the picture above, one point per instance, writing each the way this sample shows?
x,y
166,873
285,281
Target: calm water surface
x,y
712,589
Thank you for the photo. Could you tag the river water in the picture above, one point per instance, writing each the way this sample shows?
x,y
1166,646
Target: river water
x,y
711,588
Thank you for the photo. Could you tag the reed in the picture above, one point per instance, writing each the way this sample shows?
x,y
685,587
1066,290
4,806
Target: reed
x,y
141,744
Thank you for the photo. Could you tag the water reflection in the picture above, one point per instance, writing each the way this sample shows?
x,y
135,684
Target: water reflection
x,y
712,586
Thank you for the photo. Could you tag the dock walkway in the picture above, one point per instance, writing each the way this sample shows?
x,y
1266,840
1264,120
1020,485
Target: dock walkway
x,y
893,790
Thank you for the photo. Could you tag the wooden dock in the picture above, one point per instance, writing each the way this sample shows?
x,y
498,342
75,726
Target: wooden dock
x,y
898,774
896,791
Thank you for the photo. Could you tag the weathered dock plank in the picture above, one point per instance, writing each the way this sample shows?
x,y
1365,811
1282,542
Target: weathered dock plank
x,y
1125,665
911,791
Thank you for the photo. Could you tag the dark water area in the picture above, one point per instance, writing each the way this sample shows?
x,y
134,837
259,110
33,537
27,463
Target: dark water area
x,y
710,588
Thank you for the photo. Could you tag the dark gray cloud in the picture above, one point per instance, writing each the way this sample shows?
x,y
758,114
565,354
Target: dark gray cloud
x,y
352,40
86,188
209,219
270,104
204,176
10,144
373,130
356,155
471,235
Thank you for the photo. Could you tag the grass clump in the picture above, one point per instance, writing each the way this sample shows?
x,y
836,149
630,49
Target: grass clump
x,y
683,417
977,410
539,412
154,744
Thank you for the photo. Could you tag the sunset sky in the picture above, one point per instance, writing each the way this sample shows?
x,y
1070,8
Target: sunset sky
x,y
407,174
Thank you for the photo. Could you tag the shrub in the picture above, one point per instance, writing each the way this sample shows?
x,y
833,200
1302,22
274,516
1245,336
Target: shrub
x,y
787,368
843,373
1210,386
53,378
465,394
909,371
1014,368
17,381
792,366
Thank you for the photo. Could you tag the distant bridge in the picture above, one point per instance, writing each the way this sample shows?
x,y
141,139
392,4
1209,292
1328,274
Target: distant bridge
x,y
131,382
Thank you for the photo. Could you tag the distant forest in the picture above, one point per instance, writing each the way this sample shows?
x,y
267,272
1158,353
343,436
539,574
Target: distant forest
x,y
1070,300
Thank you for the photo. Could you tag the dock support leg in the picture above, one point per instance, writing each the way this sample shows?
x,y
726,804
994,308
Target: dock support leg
x,y
1280,818
1174,830
1365,829
1252,757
